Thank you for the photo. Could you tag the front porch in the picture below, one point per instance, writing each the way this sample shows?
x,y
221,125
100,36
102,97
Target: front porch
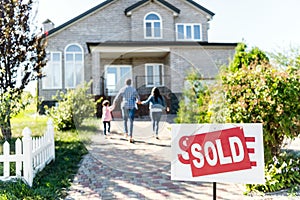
x,y
147,66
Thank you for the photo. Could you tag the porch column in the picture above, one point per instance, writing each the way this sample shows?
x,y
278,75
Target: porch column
x,y
96,74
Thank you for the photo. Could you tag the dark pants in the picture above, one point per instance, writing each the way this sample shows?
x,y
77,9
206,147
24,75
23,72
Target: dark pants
x,y
104,127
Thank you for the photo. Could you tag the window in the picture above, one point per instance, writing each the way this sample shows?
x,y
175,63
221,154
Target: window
x,y
154,75
115,76
74,68
190,32
53,72
152,26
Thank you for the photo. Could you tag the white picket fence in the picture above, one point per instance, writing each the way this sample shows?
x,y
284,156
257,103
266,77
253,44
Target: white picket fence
x,y
31,155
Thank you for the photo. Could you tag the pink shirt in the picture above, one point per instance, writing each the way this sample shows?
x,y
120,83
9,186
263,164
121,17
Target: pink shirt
x,y
106,113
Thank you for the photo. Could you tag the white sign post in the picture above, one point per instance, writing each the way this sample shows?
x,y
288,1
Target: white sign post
x,y
231,153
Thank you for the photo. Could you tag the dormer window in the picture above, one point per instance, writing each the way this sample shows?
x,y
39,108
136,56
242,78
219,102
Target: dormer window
x,y
152,26
188,32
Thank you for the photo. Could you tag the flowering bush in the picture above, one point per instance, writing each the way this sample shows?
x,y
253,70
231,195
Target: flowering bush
x,y
264,94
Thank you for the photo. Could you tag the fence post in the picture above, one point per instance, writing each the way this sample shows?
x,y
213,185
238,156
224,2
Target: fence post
x,y
27,153
6,152
50,130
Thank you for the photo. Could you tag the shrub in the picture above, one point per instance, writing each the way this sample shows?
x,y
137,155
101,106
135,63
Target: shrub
x,y
193,107
73,107
263,94
251,90
283,172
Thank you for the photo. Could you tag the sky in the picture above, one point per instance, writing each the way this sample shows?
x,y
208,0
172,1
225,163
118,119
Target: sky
x,y
271,25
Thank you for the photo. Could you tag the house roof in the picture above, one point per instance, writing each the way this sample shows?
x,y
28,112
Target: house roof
x,y
157,44
200,7
47,21
142,2
78,17
165,3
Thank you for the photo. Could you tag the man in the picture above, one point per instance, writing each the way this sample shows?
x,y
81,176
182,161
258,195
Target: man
x,y
129,97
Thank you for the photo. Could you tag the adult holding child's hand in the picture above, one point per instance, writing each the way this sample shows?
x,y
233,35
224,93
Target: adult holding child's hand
x,y
129,97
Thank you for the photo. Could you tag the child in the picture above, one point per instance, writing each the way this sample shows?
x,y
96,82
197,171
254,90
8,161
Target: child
x,y
106,116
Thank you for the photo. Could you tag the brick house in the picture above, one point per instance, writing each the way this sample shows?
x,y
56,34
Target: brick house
x,y
154,42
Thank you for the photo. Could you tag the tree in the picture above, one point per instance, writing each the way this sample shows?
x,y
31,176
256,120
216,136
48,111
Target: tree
x,y
22,57
283,59
244,58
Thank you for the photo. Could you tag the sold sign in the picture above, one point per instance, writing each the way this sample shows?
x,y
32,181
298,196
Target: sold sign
x,y
216,152
219,152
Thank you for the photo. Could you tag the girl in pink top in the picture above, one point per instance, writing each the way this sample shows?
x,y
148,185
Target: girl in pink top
x,y
106,116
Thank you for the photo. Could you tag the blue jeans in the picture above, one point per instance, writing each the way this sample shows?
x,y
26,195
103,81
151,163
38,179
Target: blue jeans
x,y
155,118
128,114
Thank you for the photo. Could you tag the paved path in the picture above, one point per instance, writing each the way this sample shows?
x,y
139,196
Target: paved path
x,y
117,169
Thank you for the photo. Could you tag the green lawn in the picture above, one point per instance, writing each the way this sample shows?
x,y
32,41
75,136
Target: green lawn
x,y
53,181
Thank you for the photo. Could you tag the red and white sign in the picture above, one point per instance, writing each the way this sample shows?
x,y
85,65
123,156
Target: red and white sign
x,y
217,153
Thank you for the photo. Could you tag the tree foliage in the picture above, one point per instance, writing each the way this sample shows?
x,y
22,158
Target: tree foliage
x,y
22,57
244,58
283,58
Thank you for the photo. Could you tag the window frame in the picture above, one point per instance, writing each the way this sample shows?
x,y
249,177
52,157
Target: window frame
x,y
74,63
59,67
160,76
185,26
152,26
117,78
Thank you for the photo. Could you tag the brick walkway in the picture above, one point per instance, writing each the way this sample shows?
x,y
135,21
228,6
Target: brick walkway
x,y
117,169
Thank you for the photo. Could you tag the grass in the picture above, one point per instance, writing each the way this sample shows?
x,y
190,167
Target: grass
x,y
52,182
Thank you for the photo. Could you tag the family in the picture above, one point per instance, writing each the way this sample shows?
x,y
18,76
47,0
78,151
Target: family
x,y
130,98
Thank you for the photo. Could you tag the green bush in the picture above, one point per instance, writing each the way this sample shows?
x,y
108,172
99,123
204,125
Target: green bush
x,y
193,107
73,107
280,174
251,90
258,92
263,94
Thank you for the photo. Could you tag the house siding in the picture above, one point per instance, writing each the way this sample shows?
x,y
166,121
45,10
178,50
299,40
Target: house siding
x,y
111,24
167,20
207,62
190,14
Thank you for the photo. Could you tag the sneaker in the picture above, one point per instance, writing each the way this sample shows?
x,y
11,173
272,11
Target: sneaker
x,y
131,140
125,135
157,137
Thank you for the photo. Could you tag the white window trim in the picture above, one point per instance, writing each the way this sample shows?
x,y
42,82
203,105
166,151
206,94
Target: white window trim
x,y
162,75
60,68
184,29
65,62
152,27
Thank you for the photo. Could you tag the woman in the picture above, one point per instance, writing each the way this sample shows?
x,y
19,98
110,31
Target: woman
x,y
156,105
